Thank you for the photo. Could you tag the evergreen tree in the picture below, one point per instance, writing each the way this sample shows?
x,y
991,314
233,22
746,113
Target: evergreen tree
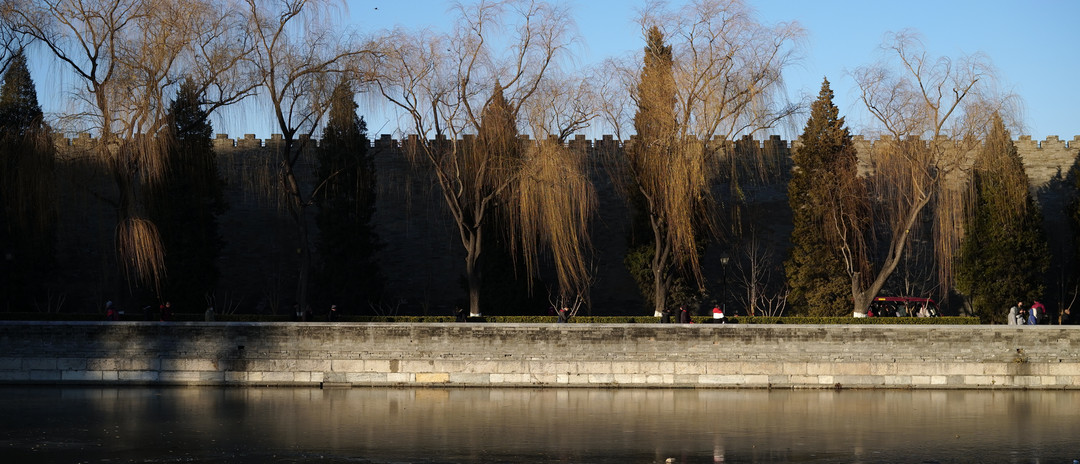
x,y
348,274
654,124
1004,255
825,164
27,191
185,203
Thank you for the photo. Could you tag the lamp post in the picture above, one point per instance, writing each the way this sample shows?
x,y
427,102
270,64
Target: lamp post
x,y
723,283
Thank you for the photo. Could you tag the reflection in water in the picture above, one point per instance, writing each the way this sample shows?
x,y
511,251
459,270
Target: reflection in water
x,y
535,425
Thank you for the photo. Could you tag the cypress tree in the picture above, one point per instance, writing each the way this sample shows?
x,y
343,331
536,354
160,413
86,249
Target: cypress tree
x,y
1004,254
185,203
347,273
654,124
27,191
825,163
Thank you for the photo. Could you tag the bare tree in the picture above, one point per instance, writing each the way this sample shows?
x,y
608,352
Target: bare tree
x,y
128,56
754,273
443,83
932,113
298,59
724,77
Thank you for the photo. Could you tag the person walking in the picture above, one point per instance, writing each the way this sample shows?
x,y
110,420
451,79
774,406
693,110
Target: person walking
x,y
684,315
1017,313
718,315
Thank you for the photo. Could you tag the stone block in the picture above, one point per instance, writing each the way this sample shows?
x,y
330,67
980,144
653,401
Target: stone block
x,y
1067,369
103,364
235,377
39,364
578,379
603,379
902,380
347,365
14,376
756,380
689,368
138,376
510,367
80,376
432,377
685,380
481,367
625,367
720,380
983,380
70,364
179,376
791,368
277,377
470,379
420,365
366,378
188,365
399,377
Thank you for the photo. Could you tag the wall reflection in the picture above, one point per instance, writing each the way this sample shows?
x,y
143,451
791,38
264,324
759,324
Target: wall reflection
x,y
539,425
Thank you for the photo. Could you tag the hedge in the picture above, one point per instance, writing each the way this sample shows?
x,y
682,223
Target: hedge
x,y
187,317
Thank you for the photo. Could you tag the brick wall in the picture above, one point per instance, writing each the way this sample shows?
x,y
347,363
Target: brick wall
x,y
541,355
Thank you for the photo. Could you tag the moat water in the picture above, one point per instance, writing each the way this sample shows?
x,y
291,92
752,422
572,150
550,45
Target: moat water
x,y
380,425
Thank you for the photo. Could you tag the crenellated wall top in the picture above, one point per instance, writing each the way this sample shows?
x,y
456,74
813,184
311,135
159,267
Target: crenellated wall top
x,y
224,141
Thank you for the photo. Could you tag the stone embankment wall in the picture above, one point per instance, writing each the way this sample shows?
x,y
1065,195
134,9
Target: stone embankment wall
x,y
541,355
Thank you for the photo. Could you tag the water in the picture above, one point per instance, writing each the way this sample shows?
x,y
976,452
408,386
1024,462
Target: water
x,y
378,425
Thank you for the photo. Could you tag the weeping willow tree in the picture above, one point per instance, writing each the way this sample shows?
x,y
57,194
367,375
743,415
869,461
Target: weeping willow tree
x,y
127,57
718,78
932,113
446,85
27,190
1004,255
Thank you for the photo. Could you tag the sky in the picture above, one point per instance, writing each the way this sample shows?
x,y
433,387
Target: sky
x,y
1034,44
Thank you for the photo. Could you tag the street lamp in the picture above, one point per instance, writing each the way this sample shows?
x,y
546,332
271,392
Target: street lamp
x,y
723,283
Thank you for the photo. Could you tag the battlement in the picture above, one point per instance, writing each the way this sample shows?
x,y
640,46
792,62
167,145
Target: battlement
x,y
248,141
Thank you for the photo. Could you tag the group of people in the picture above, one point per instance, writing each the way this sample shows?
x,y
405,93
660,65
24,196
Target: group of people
x,y
1021,315
683,315
164,312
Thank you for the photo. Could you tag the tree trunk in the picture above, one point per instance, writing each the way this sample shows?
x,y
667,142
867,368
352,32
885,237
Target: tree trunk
x,y
472,274
659,267
298,210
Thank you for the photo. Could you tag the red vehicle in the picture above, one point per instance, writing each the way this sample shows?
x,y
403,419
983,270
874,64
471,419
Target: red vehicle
x,y
902,306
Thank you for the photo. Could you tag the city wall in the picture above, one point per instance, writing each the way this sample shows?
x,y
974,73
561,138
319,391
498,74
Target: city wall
x,y
422,258
540,355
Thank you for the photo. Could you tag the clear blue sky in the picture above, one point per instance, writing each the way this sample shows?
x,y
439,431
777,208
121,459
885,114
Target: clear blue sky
x,y
1034,44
